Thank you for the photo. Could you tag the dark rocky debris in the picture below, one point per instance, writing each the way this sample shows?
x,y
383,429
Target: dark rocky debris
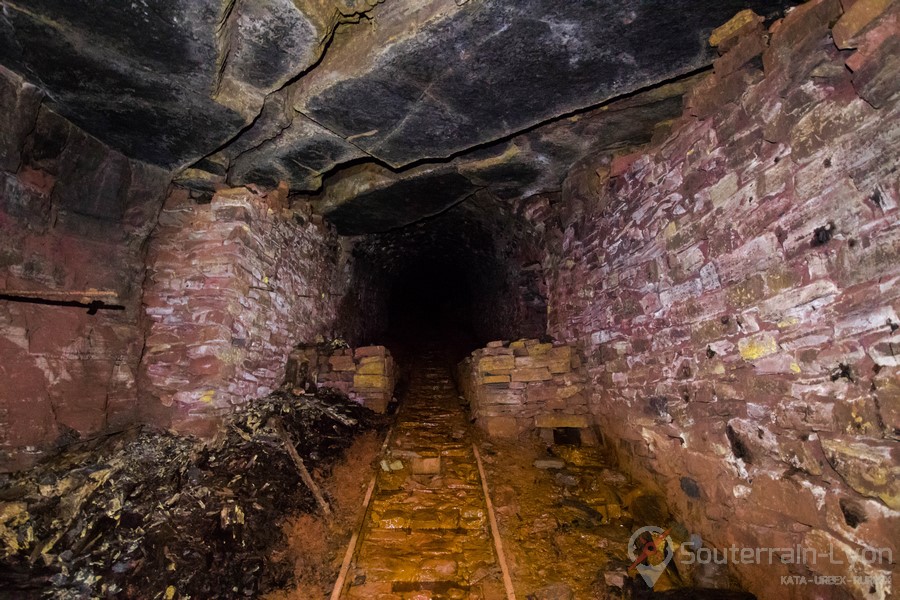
x,y
144,513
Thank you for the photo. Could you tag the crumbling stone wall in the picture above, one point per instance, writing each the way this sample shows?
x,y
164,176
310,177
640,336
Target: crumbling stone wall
x,y
366,374
735,291
524,385
232,286
74,217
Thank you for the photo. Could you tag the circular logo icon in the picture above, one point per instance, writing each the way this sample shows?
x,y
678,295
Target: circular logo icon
x,y
651,544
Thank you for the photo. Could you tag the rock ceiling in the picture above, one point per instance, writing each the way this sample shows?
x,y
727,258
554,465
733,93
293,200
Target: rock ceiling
x,y
388,110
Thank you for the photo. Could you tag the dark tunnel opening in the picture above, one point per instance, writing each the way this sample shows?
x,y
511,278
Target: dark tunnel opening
x,y
433,300
465,277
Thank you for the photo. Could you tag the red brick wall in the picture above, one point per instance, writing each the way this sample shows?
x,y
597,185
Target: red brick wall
x,y
231,287
736,289
74,215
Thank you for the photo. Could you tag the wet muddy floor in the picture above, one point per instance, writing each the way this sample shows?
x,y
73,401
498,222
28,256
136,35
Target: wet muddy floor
x,y
148,514
566,515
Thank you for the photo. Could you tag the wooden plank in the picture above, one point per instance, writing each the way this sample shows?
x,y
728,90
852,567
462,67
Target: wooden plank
x,y
495,529
301,466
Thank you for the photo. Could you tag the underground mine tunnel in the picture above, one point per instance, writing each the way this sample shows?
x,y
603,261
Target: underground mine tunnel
x,y
485,299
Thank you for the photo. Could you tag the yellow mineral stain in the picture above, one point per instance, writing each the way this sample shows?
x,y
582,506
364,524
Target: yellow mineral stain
x,y
510,153
231,355
208,396
795,367
670,230
789,322
756,348
727,30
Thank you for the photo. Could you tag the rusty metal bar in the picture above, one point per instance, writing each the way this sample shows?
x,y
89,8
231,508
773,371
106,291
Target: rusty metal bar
x,y
80,296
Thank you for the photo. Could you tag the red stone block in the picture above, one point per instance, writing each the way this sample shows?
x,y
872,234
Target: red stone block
x,y
342,363
207,366
855,20
715,92
800,30
876,64
621,163
370,351
744,49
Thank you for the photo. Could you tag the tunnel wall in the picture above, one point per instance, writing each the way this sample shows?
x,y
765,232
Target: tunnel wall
x,y
735,289
510,300
74,215
362,317
509,303
232,286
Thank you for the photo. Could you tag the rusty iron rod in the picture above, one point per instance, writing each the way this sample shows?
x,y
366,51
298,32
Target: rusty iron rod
x,y
83,296
354,539
495,529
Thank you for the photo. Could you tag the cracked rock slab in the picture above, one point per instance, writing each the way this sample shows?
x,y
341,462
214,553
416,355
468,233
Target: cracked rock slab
x,y
374,199
444,78
168,81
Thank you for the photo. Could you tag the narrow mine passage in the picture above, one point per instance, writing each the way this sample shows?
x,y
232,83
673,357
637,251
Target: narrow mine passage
x,y
638,260
427,528
432,300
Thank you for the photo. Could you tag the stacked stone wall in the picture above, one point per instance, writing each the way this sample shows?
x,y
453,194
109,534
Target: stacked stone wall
x,y
735,290
524,385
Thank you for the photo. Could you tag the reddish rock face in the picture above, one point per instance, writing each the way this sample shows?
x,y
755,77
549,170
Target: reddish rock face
x,y
736,289
73,218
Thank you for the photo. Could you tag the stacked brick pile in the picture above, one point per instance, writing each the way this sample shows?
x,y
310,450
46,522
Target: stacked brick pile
x,y
366,374
523,385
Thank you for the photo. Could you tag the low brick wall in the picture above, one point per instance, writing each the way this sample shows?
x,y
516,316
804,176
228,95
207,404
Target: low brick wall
x,y
366,374
523,385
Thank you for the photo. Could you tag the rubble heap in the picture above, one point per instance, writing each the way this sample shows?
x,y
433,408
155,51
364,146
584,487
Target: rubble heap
x,y
149,514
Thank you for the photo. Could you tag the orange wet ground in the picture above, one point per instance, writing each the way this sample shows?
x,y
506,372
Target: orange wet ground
x,y
426,535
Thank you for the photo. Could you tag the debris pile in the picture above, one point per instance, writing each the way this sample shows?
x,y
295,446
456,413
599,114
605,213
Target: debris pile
x,y
149,514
